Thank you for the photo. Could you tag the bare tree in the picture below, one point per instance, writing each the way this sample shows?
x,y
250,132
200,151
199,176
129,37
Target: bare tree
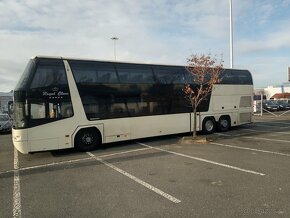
x,y
205,72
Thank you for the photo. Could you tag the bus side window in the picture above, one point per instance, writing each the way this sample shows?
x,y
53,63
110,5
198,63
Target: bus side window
x,y
67,110
60,110
37,110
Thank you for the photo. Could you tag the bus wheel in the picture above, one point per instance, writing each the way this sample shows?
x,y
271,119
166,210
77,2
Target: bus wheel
x,y
87,139
224,123
208,125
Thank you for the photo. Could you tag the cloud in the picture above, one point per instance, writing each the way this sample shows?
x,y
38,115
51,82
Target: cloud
x,y
156,31
267,43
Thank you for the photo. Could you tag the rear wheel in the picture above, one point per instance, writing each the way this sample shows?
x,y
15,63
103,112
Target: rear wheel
x,y
224,123
208,125
87,139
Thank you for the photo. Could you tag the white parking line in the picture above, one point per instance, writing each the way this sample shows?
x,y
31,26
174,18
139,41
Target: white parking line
x,y
70,161
269,126
123,152
46,165
16,187
255,138
141,182
265,139
222,134
250,149
285,123
229,135
204,160
254,130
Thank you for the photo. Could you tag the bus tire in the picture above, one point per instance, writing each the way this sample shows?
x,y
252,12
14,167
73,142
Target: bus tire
x,y
224,123
208,125
87,139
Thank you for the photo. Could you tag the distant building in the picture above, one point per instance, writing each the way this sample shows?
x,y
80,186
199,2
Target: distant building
x,y
270,91
281,96
281,92
4,99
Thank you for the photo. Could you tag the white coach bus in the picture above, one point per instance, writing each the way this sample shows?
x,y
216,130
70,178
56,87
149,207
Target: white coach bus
x,y
63,102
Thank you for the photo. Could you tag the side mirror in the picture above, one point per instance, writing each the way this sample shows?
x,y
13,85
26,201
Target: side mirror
x,y
10,108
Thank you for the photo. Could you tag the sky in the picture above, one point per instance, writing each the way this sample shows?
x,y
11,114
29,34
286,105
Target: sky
x,y
151,31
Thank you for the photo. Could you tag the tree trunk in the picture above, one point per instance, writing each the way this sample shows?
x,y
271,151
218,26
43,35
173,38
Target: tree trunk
x,y
194,123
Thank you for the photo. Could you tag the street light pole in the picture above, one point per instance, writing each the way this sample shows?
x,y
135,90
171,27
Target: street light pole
x,y
231,37
115,39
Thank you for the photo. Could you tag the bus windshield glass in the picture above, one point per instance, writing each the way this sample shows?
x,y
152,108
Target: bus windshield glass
x,y
26,76
42,94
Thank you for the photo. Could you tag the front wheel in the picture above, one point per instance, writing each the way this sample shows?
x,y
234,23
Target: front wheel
x,y
87,139
208,125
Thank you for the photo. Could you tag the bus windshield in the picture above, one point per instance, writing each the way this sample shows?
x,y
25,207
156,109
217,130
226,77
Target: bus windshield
x,y
26,76
42,94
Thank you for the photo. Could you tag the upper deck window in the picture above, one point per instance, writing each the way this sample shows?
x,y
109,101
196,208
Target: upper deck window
x,y
134,73
93,72
49,73
169,75
242,77
26,76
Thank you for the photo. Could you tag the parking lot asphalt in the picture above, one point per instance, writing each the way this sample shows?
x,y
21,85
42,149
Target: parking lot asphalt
x,y
240,173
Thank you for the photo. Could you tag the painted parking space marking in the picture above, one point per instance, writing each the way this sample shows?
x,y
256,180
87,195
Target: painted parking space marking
x,y
265,139
222,134
204,160
123,152
46,165
265,131
16,187
255,138
250,149
286,123
269,126
139,181
70,161
231,135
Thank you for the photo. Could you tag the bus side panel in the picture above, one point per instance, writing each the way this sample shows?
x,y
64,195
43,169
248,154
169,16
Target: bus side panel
x,y
160,125
146,126
232,100
199,119
55,135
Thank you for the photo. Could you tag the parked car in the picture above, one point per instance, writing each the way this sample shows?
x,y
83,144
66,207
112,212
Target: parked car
x,y
270,106
283,105
5,123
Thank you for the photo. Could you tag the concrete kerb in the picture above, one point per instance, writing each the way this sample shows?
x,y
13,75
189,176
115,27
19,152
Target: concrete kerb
x,y
194,140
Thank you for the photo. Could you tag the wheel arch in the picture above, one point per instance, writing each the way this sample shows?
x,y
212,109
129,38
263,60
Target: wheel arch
x,y
99,129
225,115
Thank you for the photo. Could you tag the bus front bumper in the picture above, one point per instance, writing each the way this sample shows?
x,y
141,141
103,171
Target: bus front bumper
x,y
20,142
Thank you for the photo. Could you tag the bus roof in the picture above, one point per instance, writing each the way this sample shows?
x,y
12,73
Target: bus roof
x,y
111,61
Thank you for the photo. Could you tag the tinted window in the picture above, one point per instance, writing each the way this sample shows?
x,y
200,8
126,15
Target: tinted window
x,y
23,83
136,94
168,75
49,73
93,72
48,97
229,76
134,73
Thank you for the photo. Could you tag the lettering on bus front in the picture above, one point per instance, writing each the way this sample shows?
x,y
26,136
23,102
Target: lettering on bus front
x,y
55,95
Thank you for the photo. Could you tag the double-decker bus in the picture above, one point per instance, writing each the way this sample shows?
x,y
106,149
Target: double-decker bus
x,y
64,102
